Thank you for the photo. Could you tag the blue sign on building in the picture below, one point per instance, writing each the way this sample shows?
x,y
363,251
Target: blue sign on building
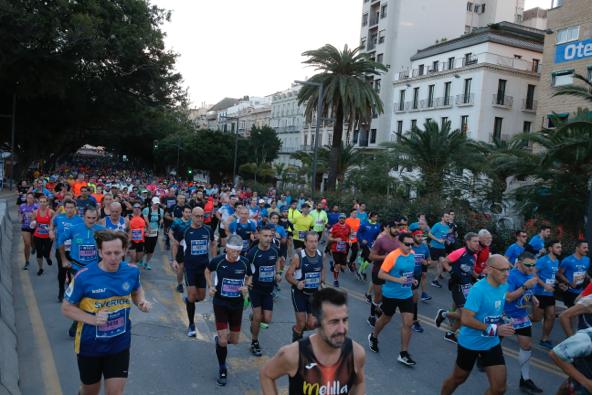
x,y
572,51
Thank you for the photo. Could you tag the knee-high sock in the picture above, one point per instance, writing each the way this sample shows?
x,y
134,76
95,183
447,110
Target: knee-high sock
x,y
414,311
221,353
190,306
524,360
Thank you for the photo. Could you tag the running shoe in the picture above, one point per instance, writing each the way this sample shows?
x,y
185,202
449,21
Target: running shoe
x,y
39,272
450,337
373,343
222,377
368,298
256,349
529,386
336,283
425,297
191,330
440,317
26,267
436,283
546,343
180,288
405,359
417,327
371,321
147,266
49,262
364,276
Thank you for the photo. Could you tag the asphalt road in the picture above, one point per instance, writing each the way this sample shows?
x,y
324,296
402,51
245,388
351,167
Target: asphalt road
x,y
165,361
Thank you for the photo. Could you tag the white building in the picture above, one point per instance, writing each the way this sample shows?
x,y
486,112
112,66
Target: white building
x,y
535,17
483,82
393,30
248,112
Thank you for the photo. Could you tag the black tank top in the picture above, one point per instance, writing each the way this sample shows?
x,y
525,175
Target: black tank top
x,y
314,378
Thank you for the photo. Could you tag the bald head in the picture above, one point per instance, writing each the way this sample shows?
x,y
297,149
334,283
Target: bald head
x,y
497,261
197,216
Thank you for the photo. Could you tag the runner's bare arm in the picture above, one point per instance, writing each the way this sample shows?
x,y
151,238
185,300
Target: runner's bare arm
x,y
140,300
75,313
359,387
294,264
285,362
565,317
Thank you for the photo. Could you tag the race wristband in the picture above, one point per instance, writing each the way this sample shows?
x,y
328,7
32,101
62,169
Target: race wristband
x,y
491,330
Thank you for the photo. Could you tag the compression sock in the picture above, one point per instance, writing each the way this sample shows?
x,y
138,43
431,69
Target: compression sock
x,y
295,335
523,359
190,306
221,353
414,311
335,275
372,309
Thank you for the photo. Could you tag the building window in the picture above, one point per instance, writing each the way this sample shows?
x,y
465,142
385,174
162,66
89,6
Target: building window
x,y
568,34
413,124
469,6
529,104
435,65
372,136
431,89
467,90
443,123
428,120
415,97
377,86
363,42
381,36
447,87
399,130
356,136
561,78
450,63
482,8
401,99
365,19
535,65
526,126
421,69
497,128
555,119
464,124
589,74
329,139
477,8
379,58
306,139
501,92
383,11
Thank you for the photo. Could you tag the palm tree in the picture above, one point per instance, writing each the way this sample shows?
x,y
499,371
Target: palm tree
x,y
584,92
348,98
435,152
350,157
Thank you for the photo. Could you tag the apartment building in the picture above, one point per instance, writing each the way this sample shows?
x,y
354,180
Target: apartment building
x,y
393,30
242,116
535,17
568,51
484,83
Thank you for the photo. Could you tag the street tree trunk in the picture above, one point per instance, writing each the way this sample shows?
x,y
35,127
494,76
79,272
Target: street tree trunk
x,y
335,154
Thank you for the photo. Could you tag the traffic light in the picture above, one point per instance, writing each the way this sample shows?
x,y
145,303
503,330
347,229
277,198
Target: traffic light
x,y
190,171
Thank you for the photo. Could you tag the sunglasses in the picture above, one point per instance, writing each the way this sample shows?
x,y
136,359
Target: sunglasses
x,y
408,244
529,264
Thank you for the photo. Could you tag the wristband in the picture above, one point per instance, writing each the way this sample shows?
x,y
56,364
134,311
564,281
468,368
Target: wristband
x,y
490,331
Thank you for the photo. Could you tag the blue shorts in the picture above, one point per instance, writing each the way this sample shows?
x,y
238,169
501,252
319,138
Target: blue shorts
x,y
301,301
261,299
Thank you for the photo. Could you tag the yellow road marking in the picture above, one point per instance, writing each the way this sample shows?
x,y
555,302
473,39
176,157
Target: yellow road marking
x,y
51,380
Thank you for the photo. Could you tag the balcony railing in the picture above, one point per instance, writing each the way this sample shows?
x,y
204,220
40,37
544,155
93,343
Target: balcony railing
x,y
402,75
529,105
469,60
400,107
426,104
503,101
374,20
443,102
465,99
411,106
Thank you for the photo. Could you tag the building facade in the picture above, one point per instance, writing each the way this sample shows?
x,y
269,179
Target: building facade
x,y
568,51
393,30
248,112
483,83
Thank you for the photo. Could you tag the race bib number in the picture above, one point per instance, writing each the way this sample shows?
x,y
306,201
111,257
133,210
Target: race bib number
x,y
493,319
312,280
116,325
231,287
550,281
137,234
301,234
418,260
43,229
245,245
87,252
199,247
341,246
67,245
465,288
521,322
266,273
353,235
579,277
408,276
153,233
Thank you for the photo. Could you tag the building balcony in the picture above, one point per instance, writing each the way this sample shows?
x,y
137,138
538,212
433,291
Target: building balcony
x,y
529,105
502,101
444,102
469,61
287,129
465,100
402,75
374,20
399,107
412,106
427,104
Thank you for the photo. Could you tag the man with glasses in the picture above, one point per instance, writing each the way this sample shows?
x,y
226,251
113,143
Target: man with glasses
x,y
517,248
397,272
572,272
521,282
546,269
481,329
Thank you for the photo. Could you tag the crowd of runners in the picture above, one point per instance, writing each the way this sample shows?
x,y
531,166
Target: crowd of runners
x,y
236,247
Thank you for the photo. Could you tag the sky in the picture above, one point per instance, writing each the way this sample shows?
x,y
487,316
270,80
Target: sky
x,y
235,48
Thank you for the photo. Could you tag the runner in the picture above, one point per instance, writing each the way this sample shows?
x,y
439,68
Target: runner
x,y
302,223
232,279
266,271
397,272
381,248
106,205
197,242
367,234
26,210
354,224
421,253
137,236
521,281
461,264
223,213
438,235
306,274
244,227
115,221
537,244
516,249
59,224
176,232
98,299
328,362
483,252
574,357
339,245
572,272
41,240
481,329
168,202
320,220
546,268
153,215
84,200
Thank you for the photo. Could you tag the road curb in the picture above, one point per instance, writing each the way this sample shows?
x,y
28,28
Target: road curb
x,y
9,366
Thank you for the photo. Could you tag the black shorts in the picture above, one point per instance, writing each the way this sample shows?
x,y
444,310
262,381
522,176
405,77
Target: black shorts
x,y
365,252
545,301
437,253
42,246
465,358
569,298
108,366
339,258
301,301
458,296
222,233
261,299
180,255
298,244
418,278
527,332
138,247
424,268
389,306
375,279
195,277
28,230
227,316
150,244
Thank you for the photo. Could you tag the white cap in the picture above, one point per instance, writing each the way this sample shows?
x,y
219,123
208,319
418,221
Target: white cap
x,y
155,200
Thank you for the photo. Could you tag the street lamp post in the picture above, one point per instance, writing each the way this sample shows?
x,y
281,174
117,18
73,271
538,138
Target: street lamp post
x,y
317,132
12,117
237,119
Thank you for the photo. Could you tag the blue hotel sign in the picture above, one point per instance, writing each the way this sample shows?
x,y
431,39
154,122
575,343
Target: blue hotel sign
x,y
572,51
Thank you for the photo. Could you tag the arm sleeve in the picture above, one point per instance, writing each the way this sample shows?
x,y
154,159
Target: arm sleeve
x,y
455,255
